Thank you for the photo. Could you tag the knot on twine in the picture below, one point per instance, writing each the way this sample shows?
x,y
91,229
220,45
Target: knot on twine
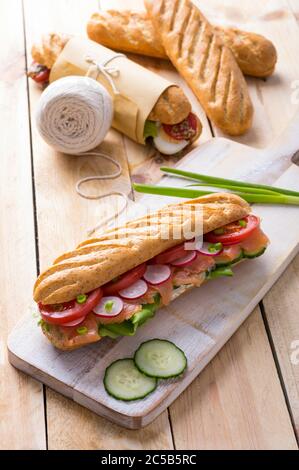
x,y
109,72
74,114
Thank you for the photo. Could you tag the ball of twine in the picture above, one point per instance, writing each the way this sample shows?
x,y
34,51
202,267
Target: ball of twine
x,y
74,114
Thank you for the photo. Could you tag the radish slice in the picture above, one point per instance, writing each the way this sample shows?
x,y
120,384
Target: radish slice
x,y
109,306
203,248
185,260
136,290
156,274
75,322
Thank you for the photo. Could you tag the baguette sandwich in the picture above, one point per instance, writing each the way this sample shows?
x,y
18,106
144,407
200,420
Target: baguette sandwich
x,y
111,285
171,125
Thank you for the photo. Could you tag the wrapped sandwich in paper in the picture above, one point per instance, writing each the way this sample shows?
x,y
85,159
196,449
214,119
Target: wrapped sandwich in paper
x,y
145,104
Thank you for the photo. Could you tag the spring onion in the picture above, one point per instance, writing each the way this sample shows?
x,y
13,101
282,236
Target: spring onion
x,y
242,223
81,299
193,193
82,330
109,306
224,181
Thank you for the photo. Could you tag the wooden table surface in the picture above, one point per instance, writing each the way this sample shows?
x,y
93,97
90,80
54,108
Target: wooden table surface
x,y
248,396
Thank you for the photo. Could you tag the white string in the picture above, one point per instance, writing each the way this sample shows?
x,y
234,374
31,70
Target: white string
x,y
102,196
108,72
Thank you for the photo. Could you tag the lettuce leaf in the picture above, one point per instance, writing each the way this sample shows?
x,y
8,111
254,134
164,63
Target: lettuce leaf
x,y
150,129
219,272
129,327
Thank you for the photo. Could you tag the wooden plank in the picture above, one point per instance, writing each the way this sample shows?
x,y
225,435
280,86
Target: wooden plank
x,y
237,402
21,399
281,310
62,222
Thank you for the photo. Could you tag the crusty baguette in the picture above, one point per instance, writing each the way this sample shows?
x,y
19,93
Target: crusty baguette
x,y
133,32
207,65
98,261
172,106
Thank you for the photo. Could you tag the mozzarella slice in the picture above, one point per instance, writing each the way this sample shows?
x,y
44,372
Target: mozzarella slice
x,y
167,145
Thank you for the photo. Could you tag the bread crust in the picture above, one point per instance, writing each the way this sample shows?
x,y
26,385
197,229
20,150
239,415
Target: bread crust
x,y
134,32
98,261
172,106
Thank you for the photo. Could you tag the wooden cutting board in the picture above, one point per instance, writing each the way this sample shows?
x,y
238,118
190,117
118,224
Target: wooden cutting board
x,y
201,321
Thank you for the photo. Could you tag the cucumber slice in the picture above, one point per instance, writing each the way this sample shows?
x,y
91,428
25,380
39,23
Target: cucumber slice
x,y
124,381
160,358
254,254
229,263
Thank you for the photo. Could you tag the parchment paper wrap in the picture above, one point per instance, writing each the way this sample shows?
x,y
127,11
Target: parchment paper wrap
x,y
139,89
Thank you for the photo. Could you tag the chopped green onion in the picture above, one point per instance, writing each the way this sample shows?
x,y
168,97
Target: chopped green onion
x,y
213,247
82,330
109,306
81,299
242,223
219,231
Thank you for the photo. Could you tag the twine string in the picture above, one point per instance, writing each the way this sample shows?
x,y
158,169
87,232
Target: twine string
x,y
103,68
109,176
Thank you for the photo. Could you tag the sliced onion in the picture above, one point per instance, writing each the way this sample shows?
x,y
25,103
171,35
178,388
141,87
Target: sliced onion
x,y
102,310
203,248
75,322
185,260
136,290
156,274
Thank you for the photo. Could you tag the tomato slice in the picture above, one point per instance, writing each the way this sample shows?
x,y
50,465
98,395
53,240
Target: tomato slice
x,y
39,73
171,255
185,130
70,311
234,232
125,280
42,77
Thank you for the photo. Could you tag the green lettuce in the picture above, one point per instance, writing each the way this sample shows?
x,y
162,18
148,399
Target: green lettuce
x,y
150,129
129,327
219,272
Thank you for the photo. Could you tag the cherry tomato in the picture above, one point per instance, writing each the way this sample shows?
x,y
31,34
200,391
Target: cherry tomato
x,y
234,232
70,311
171,255
42,77
185,130
39,73
125,280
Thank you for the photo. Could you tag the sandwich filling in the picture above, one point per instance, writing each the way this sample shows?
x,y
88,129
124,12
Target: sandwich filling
x,y
119,307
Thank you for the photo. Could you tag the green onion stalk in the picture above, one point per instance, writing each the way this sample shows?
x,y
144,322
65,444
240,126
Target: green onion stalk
x,y
262,198
235,185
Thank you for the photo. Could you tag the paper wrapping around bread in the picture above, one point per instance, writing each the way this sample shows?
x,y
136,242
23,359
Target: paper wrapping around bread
x,y
139,89
98,261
